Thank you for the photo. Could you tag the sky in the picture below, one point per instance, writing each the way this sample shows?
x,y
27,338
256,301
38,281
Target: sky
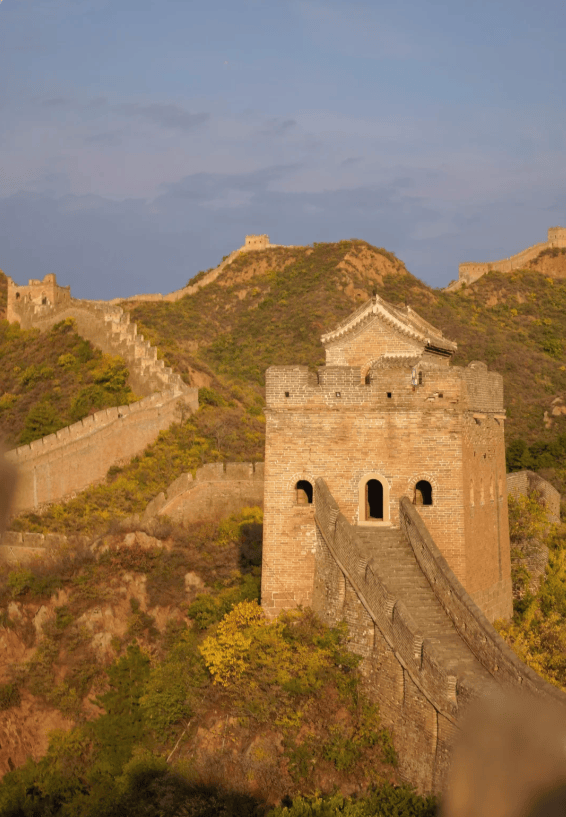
x,y
140,142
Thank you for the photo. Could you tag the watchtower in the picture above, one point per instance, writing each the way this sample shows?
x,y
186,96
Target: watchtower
x,y
256,242
25,302
387,417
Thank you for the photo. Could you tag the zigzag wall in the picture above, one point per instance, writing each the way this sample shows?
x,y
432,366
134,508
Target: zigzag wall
x,y
421,694
108,328
58,466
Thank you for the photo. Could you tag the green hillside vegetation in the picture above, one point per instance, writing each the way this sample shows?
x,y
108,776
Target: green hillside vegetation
x,y
537,631
48,381
270,308
220,431
291,683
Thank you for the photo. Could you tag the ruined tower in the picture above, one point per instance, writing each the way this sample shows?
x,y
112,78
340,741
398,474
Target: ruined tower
x,y
387,417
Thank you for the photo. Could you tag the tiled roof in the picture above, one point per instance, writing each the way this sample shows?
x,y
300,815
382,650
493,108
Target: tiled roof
x,y
403,319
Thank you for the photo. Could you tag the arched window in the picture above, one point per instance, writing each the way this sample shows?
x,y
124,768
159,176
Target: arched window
x,y
367,379
423,493
304,492
421,381
374,500
17,295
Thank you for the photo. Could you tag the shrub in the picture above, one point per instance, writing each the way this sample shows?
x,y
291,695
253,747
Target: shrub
x,y
528,516
42,419
9,696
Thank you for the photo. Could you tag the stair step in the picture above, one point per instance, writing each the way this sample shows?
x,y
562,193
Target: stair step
x,y
391,558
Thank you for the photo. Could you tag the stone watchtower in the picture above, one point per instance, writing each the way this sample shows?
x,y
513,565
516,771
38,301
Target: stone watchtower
x,y
24,303
387,417
256,242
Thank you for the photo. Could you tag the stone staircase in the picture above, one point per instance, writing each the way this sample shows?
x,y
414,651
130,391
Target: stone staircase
x,y
391,557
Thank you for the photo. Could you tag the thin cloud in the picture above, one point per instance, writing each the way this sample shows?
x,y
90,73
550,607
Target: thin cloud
x,y
278,127
109,138
166,115
55,102
351,160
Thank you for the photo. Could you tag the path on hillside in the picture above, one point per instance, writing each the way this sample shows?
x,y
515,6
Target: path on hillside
x,y
392,559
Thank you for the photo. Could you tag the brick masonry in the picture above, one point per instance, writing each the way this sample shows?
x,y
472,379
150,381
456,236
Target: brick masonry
x,y
56,467
217,490
523,482
470,271
387,406
418,582
428,651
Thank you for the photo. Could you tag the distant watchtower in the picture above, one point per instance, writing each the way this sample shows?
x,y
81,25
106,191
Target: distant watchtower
x,y
256,242
26,302
387,417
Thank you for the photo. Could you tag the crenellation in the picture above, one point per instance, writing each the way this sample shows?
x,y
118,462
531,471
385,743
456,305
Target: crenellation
x,y
470,271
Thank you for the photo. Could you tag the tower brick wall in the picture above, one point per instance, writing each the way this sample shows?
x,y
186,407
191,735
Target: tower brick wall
x,y
411,418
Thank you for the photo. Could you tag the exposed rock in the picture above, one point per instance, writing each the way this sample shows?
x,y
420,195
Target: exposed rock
x,y
24,731
193,582
43,615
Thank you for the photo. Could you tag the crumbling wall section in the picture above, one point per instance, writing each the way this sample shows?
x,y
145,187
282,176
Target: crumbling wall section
x,y
520,483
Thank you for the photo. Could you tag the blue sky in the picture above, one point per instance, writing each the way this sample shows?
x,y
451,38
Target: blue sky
x,y
140,142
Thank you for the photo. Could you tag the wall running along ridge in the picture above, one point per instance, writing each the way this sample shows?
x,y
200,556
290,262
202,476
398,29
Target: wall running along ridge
x,y
470,271
421,689
252,243
58,466
217,490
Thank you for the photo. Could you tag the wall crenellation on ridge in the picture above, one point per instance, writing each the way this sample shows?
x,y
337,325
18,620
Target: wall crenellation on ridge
x,y
252,242
107,326
75,457
470,271
217,490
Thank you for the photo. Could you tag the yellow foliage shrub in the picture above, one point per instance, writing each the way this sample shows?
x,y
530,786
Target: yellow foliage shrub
x,y
225,653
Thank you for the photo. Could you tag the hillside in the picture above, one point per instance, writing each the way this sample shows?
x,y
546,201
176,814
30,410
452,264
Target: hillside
x,y
173,694
151,634
49,381
271,307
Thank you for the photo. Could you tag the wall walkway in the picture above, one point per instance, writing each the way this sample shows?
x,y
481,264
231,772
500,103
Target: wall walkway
x,y
56,467
427,649
217,490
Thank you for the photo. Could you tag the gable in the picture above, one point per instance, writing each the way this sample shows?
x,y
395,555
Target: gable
x,y
379,328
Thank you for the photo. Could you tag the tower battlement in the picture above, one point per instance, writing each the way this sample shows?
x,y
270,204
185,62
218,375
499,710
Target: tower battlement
x,y
386,414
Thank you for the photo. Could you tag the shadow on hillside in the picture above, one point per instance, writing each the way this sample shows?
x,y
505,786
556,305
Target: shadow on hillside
x,y
250,546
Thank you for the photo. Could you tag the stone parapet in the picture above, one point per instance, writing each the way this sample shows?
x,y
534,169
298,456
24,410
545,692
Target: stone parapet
x,y
56,467
470,271
417,655
390,387
472,625
216,491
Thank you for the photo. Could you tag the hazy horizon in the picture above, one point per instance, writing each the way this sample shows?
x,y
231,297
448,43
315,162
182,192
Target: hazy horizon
x,y
141,143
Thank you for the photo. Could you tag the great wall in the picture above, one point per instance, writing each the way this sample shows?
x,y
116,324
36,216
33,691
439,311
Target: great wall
x,y
56,467
385,494
470,271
